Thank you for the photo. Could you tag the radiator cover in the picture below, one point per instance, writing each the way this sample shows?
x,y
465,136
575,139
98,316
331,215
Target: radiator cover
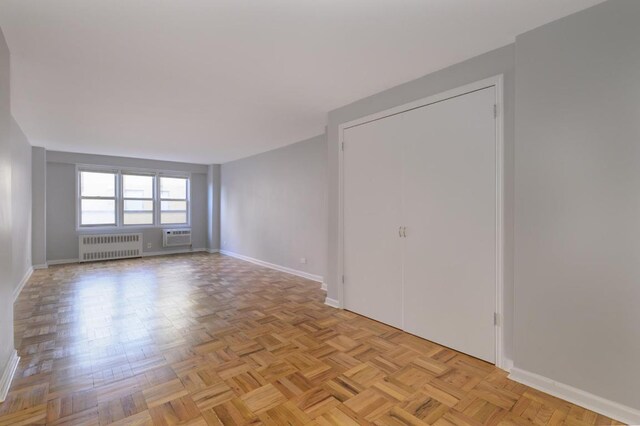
x,y
109,246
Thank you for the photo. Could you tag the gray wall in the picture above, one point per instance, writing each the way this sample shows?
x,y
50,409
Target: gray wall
x,y
199,212
572,200
6,284
61,234
273,206
578,201
39,206
20,203
213,207
500,61
15,208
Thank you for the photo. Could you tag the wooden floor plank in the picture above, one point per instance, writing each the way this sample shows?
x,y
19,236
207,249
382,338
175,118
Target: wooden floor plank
x,y
206,339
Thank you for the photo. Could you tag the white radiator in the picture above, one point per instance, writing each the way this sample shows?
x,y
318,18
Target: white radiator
x,y
176,237
109,246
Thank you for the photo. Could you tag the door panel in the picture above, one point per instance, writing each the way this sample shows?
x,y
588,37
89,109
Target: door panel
x,y
449,188
372,215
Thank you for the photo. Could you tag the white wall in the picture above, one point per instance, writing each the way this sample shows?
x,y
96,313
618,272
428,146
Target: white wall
x,y
6,258
577,267
15,210
60,186
20,204
273,206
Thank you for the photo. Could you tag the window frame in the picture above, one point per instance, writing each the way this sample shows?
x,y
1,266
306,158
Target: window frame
x,y
119,197
80,197
152,199
186,200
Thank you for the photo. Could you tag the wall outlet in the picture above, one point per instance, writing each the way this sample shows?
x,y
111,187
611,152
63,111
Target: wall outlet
x,y
149,245
303,260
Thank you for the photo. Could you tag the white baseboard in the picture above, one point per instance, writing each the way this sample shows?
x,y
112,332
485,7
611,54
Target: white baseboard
x,y
212,251
43,266
62,261
302,274
175,251
7,374
507,365
332,302
577,396
323,286
23,282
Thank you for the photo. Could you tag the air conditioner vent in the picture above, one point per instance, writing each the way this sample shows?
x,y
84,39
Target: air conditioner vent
x,y
176,237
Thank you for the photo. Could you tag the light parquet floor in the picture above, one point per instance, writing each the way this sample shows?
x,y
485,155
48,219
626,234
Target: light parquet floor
x,y
206,339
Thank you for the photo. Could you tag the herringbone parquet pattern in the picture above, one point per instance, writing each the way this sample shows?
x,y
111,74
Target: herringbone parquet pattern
x,y
207,339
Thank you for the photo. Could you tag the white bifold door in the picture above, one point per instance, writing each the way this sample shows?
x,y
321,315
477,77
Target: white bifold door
x,y
372,221
420,197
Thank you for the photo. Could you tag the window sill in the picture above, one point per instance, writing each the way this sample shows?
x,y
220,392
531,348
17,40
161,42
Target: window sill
x,y
126,228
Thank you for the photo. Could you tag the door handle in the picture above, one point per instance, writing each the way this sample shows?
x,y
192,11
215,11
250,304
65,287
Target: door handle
x,y
400,231
404,231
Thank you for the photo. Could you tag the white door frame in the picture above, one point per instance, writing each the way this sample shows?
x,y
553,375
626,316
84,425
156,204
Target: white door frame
x,y
497,82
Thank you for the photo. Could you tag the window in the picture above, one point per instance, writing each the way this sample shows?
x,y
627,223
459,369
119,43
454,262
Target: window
x,y
97,198
173,200
137,196
115,198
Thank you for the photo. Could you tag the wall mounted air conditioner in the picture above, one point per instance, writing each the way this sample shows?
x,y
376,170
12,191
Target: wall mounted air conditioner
x,y
176,237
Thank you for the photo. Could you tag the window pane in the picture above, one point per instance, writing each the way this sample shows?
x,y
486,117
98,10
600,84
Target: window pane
x,y
173,206
96,184
173,218
136,186
138,218
173,188
97,212
138,212
138,205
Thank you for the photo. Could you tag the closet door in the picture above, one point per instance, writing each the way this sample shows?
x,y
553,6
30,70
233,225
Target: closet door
x,y
450,213
372,197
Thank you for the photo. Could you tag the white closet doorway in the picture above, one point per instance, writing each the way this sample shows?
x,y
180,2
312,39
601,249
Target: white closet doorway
x,y
421,223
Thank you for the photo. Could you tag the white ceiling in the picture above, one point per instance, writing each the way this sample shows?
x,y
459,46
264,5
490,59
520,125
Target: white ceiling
x,y
209,81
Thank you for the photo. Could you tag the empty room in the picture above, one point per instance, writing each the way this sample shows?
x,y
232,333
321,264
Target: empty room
x,y
296,212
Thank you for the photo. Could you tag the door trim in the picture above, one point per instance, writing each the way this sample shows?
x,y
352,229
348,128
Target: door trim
x,y
497,82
